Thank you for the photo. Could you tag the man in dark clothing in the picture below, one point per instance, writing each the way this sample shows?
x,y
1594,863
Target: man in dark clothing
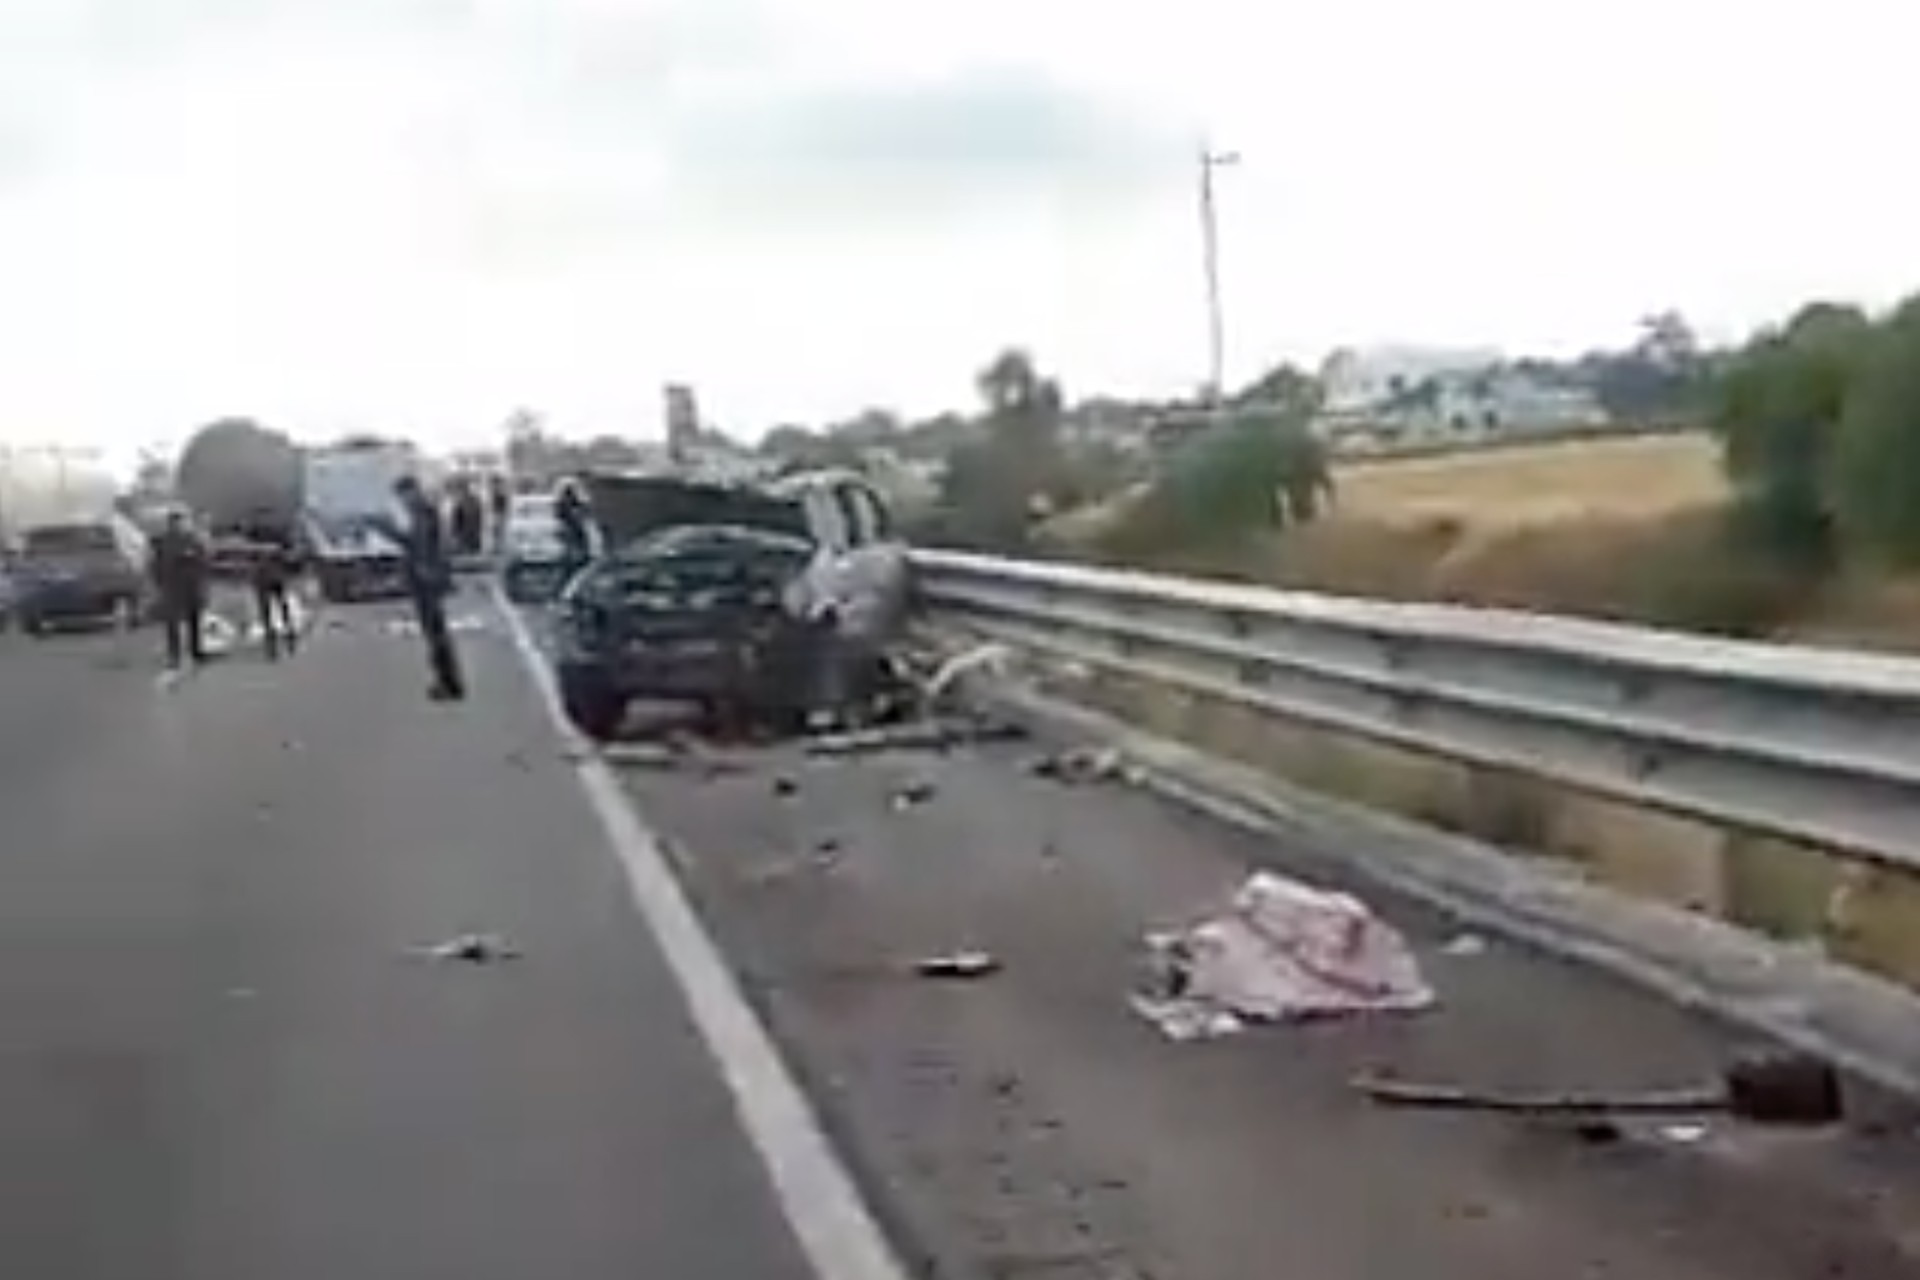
x,y
271,570
179,567
574,517
468,519
499,498
429,581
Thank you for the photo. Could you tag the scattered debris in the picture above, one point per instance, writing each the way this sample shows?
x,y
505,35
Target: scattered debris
x,y
1184,1020
958,964
992,655
1684,1134
645,755
1598,1132
1085,764
458,624
824,856
1412,1093
917,735
914,793
471,948
670,754
1772,1087
1465,945
1280,950
785,786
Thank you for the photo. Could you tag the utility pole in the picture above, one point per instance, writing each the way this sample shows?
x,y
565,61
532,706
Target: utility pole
x,y
1210,265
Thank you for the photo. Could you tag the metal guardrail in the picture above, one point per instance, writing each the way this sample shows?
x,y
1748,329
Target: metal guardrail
x,y
1816,745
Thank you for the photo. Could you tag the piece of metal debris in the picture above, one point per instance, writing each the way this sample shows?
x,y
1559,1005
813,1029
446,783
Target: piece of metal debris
x,y
1772,1086
1465,945
914,793
1389,1091
990,656
958,964
1085,764
785,786
471,948
917,735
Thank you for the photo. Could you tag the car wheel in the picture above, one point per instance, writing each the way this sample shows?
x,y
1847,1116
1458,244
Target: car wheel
x,y
592,708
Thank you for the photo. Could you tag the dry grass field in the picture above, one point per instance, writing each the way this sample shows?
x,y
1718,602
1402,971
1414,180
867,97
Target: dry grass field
x,y
1630,529
1641,478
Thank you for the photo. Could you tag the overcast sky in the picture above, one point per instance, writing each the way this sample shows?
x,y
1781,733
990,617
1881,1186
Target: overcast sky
x,y
416,214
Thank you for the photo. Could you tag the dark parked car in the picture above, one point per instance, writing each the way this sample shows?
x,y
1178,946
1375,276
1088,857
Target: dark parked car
x,y
81,572
775,601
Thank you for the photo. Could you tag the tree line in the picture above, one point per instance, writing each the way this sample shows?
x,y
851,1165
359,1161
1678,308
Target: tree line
x,y
1819,424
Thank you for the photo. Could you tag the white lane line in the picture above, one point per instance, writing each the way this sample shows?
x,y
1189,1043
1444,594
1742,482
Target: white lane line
x,y
835,1228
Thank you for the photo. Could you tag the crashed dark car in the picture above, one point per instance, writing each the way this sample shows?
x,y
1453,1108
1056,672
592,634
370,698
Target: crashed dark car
x,y
772,603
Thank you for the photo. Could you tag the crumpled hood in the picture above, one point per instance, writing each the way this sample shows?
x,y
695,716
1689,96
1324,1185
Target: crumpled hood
x,y
629,507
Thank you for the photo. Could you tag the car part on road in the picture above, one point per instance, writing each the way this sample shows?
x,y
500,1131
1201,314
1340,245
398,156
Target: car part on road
x,y
990,656
913,794
1770,1087
958,964
471,948
1280,950
922,735
1086,764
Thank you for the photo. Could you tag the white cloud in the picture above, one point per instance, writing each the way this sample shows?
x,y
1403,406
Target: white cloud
x,y
377,213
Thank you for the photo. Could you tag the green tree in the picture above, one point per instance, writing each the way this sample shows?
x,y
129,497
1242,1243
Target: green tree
x,y
1247,473
1285,388
1013,469
1876,472
1777,412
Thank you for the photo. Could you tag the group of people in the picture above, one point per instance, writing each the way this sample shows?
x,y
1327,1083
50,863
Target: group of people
x,y
468,512
182,569
429,539
182,566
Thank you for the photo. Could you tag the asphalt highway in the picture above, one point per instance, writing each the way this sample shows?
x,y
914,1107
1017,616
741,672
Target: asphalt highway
x,y
221,1056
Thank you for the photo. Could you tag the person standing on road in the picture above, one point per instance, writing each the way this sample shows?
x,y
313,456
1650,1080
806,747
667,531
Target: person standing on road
x,y
575,518
468,519
271,571
429,583
179,567
499,499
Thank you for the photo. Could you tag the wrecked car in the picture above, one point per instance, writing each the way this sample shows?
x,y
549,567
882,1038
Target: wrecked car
x,y
772,603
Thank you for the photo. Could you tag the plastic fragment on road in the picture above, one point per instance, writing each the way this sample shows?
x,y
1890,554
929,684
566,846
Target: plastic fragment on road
x,y
913,794
1279,951
989,656
470,948
958,964
1086,764
915,735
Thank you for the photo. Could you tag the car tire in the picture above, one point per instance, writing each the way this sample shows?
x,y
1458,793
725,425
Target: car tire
x,y
592,708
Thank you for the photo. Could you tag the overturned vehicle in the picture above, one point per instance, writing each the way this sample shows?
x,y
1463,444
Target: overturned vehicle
x,y
774,605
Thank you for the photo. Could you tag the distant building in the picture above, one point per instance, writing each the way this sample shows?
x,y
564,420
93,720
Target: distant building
x,y
1356,379
1433,400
